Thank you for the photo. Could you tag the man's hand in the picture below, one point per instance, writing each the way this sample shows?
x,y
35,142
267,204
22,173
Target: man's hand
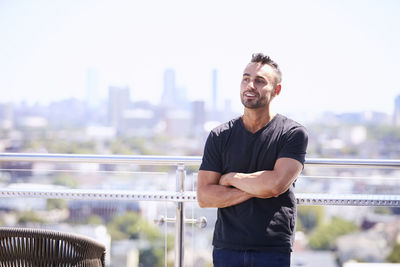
x,y
225,179
210,193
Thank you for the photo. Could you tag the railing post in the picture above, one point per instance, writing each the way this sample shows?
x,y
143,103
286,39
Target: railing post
x,y
180,217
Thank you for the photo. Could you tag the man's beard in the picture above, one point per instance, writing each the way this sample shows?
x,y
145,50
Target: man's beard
x,y
253,103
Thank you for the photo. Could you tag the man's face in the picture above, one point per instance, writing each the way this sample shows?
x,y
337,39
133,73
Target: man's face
x,y
258,88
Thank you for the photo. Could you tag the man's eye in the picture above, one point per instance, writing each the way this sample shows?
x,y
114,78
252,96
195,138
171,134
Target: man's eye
x,y
260,81
245,80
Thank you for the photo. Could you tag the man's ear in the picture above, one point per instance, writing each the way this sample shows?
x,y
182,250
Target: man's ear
x,y
277,89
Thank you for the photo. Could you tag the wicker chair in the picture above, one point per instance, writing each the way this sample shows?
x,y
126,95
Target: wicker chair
x,y
46,248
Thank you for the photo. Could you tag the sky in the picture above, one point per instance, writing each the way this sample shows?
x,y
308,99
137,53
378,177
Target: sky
x,y
338,56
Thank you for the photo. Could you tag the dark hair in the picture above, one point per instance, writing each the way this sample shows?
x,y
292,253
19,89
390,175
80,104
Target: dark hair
x,y
264,59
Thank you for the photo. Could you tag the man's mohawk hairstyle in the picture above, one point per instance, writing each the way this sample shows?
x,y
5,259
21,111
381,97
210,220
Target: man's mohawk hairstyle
x,y
264,59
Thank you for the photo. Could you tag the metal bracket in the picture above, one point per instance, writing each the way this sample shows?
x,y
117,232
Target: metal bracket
x,y
201,222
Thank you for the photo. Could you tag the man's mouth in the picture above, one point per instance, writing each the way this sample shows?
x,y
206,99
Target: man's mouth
x,y
249,94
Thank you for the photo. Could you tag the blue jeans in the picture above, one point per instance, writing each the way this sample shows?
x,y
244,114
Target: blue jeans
x,y
249,258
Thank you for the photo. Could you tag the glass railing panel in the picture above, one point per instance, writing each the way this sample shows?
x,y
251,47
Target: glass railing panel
x,y
198,237
126,227
129,237
321,190
333,231
349,181
87,175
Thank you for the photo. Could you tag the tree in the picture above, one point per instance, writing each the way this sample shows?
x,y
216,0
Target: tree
x,y
132,226
95,220
29,217
56,204
309,217
325,235
67,180
152,257
394,256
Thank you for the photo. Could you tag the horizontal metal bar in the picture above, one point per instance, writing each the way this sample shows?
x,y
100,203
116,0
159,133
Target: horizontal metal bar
x,y
348,200
353,163
187,196
103,159
190,196
381,178
201,222
186,160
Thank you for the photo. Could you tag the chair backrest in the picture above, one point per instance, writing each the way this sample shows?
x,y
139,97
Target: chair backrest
x,y
48,248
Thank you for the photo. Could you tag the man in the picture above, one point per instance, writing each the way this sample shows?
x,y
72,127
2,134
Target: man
x,y
248,170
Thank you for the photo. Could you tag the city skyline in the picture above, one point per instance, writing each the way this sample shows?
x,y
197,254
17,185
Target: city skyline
x,y
93,98
339,57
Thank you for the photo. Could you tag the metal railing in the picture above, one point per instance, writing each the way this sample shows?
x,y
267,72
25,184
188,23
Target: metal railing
x,y
185,160
180,196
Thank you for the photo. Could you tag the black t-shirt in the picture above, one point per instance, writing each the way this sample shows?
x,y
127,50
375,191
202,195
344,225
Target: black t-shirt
x,y
259,224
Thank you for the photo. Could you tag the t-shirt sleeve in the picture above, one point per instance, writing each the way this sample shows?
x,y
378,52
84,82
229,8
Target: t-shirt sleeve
x,y
212,155
295,145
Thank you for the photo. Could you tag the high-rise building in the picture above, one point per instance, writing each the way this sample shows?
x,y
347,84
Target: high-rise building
x,y
173,96
169,93
178,123
198,117
118,102
214,90
92,89
396,114
228,113
6,116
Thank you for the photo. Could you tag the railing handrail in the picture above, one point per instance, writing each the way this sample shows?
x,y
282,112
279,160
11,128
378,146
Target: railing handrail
x,y
190,196
103,159
185,160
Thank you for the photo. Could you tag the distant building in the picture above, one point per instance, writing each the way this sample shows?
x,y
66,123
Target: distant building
x,y
373,245
173,96
167,98
373,117
6,116
198,117
118,102
106,210
100,132
138,122
178,123
32,122
66,112
227,113
92,98
214,90
396,114
366,117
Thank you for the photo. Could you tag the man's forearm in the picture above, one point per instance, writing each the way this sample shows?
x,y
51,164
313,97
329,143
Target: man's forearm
x,y
219,196
267,183
260,184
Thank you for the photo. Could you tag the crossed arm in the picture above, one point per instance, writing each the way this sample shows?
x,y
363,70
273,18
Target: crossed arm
x,y
216,190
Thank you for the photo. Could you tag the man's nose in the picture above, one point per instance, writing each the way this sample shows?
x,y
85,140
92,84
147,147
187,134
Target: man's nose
x,y
250,85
